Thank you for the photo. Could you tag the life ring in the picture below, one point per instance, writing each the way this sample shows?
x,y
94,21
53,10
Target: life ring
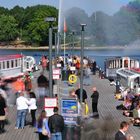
x,y
72,78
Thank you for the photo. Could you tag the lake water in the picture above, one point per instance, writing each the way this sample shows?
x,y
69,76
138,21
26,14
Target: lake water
x,y
98,55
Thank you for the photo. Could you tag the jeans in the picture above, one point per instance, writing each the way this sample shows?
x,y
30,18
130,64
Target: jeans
x,y
56,136
21,116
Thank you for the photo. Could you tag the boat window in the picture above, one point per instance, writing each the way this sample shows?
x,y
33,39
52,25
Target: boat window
x,y
8,66
126,63
12,63
121,63
3,65
16,63
19,62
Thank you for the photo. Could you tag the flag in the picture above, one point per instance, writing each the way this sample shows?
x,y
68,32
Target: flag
x,y
65,26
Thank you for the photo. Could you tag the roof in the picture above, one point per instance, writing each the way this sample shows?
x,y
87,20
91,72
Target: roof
x,y
127,73
9,57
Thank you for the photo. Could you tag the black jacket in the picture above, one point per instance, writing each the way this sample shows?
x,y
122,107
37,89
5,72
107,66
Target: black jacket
x,y
56,123
119,136
95,97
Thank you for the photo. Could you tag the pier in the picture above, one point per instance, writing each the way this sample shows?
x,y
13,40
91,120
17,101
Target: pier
x,y
103,128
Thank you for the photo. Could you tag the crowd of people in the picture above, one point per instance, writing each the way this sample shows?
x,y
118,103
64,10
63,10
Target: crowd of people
x,y
130,105
53,126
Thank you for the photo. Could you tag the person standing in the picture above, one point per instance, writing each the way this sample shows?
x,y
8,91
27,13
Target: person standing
x,y
56,125
43,122
28,82
95,97
121,134
22,107
84,94
2,114
84,100
32,107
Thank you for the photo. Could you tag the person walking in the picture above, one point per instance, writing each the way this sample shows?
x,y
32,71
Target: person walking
x,y
56,125
32,108
42,124
2,114
22,107
121,134
95,97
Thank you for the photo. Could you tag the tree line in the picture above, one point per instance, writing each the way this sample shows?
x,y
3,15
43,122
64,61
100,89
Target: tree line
x,y
27,24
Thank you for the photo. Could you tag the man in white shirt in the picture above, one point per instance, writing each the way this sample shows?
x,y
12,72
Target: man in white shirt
x,y
22,107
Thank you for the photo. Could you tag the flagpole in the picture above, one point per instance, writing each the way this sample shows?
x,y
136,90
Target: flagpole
x,y
64,48
65,30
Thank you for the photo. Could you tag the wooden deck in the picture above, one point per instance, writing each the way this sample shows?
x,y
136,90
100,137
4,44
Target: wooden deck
x,y
103,128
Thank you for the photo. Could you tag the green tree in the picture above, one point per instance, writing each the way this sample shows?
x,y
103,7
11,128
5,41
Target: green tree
x,y
8,28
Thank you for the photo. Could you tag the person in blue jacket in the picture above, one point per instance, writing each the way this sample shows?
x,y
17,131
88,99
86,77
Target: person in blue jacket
x,y
43,122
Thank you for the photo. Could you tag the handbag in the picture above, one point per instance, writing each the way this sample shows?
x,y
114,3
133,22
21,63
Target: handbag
x,y
44,130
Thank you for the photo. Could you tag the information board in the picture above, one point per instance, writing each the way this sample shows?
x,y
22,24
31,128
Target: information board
x,y
69,110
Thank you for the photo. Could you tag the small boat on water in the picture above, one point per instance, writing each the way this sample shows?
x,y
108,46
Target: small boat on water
x,y
113,64
12,66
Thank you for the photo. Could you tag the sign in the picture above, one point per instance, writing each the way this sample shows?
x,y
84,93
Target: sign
x,y
49,111
58,65
56,71
69,110
50,102
72,78
56,74
56,77
49,105
72,68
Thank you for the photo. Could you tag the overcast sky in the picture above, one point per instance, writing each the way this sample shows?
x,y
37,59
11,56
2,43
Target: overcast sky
x,y
108,6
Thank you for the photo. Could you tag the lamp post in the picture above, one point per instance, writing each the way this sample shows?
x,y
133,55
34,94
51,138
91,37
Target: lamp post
x,y
73,33
55,39
82,54
50,20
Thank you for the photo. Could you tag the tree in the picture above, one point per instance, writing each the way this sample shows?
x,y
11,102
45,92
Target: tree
x,y
8,28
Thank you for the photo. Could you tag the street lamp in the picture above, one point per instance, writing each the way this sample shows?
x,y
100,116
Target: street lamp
x,y
50,20
82,54
55,38
73,33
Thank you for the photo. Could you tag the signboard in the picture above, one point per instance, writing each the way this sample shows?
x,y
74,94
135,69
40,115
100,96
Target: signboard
x,y
69,110
58,65
56,77
56,74
50,103
72,68
49,111
56,71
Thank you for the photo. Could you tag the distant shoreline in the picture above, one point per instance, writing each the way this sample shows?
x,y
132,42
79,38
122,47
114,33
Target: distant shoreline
x,y
77,48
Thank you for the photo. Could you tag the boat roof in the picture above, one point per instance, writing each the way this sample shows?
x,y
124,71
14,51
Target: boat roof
x,y
9,57
127,73
119,57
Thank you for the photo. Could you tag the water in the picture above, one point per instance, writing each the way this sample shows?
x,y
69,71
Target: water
x,y
98,55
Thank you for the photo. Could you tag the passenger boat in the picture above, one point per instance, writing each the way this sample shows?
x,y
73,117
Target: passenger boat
x,y
16,65
113,64
128,78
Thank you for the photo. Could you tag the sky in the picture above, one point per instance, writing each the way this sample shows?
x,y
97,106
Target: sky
x,y
108,6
